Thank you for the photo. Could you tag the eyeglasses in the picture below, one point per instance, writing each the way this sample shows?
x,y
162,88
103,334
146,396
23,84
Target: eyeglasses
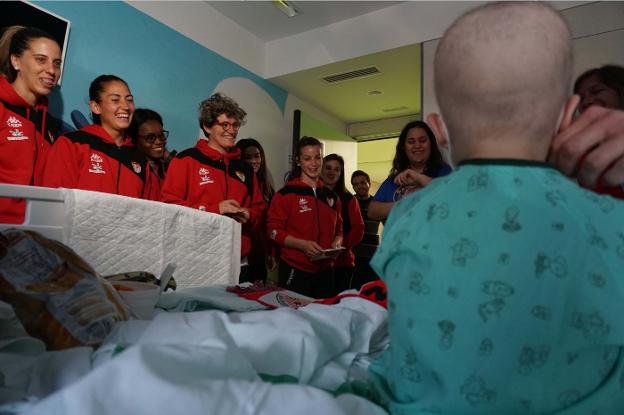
x,y
151,138
227,125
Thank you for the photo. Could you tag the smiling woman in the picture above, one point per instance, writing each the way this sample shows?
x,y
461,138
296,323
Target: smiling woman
x,y
30,61
417,161
212,177
304,220
150,138
101,156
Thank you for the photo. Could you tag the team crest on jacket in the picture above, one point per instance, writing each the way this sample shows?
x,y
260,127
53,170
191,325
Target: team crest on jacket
x,y
96,164
240,175
136,167
303,205
330,201
16,135
204,176
13,122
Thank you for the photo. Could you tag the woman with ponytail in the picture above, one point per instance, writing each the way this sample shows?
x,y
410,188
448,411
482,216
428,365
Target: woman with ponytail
x,y
30,65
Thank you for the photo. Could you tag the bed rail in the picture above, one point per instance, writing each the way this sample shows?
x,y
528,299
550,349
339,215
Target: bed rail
x,y
44,209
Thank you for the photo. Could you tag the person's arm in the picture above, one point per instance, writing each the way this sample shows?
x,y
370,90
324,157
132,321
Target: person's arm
x,y
338,235
277,219
256,206
151,190
591,146
62,168
379,210
357,225
383,201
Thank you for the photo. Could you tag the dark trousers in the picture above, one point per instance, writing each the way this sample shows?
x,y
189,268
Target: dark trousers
x,y
253,273
342,279
315,285
363,273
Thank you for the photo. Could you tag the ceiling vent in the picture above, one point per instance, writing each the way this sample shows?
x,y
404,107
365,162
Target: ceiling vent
x,y
394,109
346,76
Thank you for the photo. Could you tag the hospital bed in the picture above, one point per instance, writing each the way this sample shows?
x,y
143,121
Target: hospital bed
x,y
214,361
118,234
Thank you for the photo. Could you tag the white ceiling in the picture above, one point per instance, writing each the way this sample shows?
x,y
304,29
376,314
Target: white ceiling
x,y
266,22
328,37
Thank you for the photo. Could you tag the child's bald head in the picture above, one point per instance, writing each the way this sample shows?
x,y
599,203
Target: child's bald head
x,y
503,70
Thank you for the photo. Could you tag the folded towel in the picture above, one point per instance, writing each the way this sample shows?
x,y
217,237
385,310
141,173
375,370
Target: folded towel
x,y
120,234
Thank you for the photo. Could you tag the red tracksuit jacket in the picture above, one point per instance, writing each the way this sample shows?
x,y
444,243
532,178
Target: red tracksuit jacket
x,y
352,229
201,178
298,211
89,159
25,138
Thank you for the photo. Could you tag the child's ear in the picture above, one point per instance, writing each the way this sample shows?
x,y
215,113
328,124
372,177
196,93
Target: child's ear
x,y
434,121
569,109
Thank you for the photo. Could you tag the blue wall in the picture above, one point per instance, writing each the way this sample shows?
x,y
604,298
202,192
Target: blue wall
x,y
165,70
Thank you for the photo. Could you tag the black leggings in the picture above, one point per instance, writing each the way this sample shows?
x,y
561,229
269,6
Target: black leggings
x,y
342,279
253,273
315,285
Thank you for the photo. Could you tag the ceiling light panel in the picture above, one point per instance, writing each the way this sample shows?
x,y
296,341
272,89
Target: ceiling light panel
x,y
289,8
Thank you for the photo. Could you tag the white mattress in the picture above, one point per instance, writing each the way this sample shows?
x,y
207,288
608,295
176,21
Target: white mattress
x,y
121,234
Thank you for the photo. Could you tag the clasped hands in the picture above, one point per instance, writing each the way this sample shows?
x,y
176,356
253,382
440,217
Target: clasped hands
x,y
411,180
233,209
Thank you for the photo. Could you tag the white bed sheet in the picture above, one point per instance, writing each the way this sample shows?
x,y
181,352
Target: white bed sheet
x,y
212,362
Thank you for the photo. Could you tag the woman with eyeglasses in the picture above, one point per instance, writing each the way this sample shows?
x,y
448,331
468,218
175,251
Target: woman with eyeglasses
x,y
101,156
30,65
212,177
149,137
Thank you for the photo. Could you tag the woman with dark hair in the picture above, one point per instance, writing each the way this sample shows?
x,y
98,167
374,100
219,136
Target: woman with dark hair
x,y
149,137
260,256
101,156
352,222
212,177
417,161
30,65
602,86
304,219
253,154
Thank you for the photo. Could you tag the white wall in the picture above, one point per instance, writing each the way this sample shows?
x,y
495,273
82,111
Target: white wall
x,y
211,29
592,46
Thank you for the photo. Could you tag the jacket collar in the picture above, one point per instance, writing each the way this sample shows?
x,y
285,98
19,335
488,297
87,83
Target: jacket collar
x,y
204,147
298,182
9,95
100,132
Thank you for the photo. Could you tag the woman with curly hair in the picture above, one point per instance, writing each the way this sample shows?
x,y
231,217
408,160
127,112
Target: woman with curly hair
x,y
212,177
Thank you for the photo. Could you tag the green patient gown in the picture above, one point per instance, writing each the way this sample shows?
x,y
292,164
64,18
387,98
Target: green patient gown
x,y
506,296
